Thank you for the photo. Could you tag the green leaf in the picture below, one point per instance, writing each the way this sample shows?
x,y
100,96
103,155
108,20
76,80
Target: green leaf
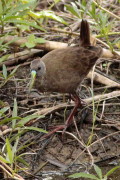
x,y
75,8
40,40
13,71
35,129
72,10
1,8
92,12
16,9
84,175
112,170
24,22
27,119
19,159
27,1
30,41
12,17
1,75
4,71
24,146
14,149
56,1
4,46
14,113
30,44
9,151
3,110
4,58
51,15
23,27
31,38
98,171
5,120
3,159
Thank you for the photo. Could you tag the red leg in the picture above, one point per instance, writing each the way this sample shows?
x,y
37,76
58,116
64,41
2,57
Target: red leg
x,y
58,128
69,119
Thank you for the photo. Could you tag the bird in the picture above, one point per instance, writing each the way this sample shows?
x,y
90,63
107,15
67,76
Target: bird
x,y
63,70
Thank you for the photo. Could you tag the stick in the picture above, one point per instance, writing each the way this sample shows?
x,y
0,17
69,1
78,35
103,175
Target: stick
x,y
51,45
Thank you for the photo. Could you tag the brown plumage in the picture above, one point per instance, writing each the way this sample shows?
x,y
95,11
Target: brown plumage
x,y
62,70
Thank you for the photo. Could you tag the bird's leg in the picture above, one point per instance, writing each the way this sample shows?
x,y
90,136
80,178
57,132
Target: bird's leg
x,y
70,118
58,128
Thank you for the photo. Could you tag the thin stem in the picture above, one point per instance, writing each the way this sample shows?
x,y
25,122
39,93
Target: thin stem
x,y
112,14
109,34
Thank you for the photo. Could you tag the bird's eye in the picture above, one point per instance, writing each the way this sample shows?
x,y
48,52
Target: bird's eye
x,y
39,68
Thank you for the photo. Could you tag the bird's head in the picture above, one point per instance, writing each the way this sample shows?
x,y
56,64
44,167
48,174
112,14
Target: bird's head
x,y
38,68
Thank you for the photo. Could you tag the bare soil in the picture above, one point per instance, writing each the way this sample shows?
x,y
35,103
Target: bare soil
x,y
81,145
72,152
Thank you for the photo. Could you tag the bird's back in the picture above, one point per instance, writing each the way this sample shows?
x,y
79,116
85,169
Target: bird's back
x,y
66,68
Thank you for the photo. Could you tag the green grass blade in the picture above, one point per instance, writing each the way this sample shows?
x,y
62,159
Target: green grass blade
x,y
36,129
84,175
24,22
4,58
3,110
3,159
21,160
14,113
27,119
9,151
5,120
98,171
112,170
4,71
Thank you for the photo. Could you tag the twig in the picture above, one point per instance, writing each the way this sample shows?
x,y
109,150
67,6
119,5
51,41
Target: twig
x,y
103,109
102,79
92,38
20,56
109,12
84,145
109,34
96,98
9,171
50,110
95,143
51,45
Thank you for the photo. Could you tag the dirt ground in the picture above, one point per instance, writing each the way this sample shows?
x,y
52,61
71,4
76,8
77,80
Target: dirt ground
x,y
74,150
94,136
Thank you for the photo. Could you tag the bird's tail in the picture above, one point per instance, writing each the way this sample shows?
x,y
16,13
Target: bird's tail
x,y
85,34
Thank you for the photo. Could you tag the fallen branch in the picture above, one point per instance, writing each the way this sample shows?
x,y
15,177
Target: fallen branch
x,y
96,98
47,111
20,56
103,79
51,45
93,40
9,172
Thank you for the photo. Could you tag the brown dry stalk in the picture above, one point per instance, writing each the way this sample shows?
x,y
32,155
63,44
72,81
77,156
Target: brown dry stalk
x,y
51,45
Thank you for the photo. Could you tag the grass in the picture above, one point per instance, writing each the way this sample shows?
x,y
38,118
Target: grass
x,y
22,15
98,171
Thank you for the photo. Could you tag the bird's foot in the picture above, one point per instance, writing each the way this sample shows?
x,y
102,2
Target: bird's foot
x,y
57,128
69,119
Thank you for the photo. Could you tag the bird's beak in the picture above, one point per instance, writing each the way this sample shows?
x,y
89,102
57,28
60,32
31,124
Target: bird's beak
x,y
33,76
